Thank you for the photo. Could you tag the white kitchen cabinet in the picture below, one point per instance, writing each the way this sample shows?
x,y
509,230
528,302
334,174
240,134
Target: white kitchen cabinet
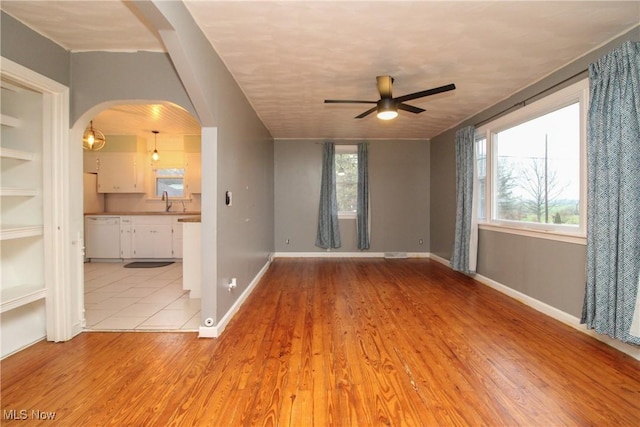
x,y
152,237
126,237
133,236
192,260
192,174
120,173
177,237
90,161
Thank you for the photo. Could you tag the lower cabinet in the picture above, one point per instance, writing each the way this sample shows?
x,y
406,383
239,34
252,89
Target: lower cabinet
x,y
152,237
177,237
140,236
126,237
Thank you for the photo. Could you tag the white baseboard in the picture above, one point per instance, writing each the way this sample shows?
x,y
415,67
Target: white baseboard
x,y
216,331
207,332
441,260
550,311
328,254
332,254
17,350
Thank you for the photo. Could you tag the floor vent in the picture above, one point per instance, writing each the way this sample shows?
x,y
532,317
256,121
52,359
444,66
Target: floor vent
x,y
395,255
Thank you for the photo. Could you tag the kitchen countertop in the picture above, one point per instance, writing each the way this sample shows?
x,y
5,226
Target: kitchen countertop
x,y
125,213
191,219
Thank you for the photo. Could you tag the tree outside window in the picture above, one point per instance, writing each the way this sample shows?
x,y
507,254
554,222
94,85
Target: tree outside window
x,y
538,169
531,167
346,165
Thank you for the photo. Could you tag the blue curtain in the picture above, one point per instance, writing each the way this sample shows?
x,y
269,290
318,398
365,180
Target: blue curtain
x,y
613,193
363,196
328,236
464,253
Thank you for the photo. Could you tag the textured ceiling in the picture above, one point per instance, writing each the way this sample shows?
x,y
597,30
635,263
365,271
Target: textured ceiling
x,y
289,56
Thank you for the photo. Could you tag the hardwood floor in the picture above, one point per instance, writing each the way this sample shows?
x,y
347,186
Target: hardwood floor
x,y
338,342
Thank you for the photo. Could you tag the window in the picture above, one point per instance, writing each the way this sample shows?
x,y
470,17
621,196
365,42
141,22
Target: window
x,y
481,173
530,165
170,180
346,165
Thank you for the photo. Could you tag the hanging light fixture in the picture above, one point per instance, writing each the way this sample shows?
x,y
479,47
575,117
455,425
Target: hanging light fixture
x,y
155,156
93,139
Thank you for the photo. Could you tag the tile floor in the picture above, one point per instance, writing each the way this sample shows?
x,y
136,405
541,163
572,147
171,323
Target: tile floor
x,y
140,299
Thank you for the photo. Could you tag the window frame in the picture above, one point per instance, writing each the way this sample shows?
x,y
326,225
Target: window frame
x,y
157,177
576,92
346,149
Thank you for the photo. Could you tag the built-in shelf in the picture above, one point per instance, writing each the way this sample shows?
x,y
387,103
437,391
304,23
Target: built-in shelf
x,y
9,232
18,192
30,102
17,296
6,120
10,153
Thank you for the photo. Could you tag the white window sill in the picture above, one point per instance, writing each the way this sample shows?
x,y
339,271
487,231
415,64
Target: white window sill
x,y
577,239
347,215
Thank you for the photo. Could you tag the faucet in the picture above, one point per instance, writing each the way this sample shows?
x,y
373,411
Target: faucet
x,y
165,197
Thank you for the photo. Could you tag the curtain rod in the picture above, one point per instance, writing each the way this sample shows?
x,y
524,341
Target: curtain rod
x,y
524,102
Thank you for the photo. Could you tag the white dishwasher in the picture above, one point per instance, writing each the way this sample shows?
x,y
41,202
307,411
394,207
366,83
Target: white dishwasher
x,y
102,237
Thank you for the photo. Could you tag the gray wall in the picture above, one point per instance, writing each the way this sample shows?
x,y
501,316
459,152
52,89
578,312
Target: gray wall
x,y
29,49
398,187
549,271
443,194
99,77
245,167
243,163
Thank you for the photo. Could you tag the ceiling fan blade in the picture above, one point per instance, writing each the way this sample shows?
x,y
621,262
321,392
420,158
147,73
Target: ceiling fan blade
x,y
347,101
384,86
427,92
366,113
410,108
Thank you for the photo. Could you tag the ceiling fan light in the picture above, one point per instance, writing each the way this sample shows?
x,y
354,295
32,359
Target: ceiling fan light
x,y
387,114
93,139
387,109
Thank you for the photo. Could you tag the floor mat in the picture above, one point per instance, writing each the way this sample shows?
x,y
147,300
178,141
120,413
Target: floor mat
x,y
148,264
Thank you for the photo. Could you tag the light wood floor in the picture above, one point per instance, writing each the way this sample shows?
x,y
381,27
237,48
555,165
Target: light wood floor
x,y
339,342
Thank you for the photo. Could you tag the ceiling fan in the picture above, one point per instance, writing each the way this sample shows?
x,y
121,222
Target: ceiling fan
x,y
388,106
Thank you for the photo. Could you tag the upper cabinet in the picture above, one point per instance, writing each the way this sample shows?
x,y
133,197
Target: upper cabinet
x,y
90,161
120,173
192,180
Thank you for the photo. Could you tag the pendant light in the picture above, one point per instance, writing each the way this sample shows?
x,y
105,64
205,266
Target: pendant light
x,y
93,139
155,156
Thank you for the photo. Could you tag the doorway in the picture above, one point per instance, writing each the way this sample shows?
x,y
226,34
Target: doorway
x,y
134,299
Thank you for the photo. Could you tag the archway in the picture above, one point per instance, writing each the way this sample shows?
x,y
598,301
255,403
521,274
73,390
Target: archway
x,y
174,124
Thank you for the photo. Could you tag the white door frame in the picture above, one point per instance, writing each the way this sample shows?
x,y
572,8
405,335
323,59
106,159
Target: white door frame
x,y
76,210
